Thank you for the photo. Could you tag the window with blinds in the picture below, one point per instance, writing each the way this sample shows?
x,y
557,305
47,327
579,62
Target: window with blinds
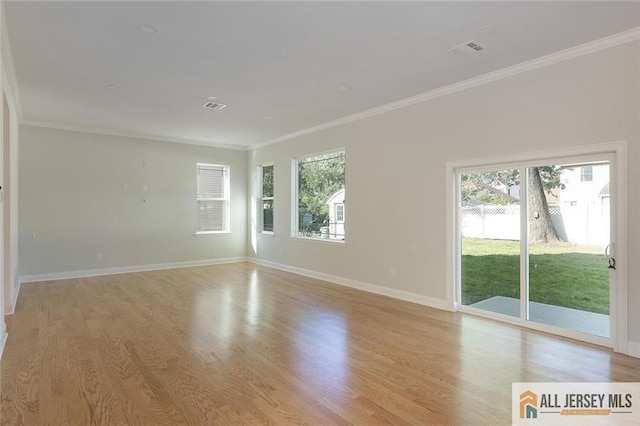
x,y
212,198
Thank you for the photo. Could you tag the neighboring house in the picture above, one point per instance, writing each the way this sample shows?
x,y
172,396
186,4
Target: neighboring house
x,y
584,205
585,185
336,215
510,193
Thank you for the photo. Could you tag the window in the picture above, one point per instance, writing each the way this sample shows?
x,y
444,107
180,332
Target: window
x,y
266,198
319,196
212,198
586,174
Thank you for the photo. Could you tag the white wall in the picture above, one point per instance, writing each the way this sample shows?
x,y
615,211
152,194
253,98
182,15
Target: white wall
x,y
396,222
72,198
8,88
10,201
13,253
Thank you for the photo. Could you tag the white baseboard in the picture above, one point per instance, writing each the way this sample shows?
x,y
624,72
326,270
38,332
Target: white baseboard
x,y
634,349
370,288
127,269
14,300
3,337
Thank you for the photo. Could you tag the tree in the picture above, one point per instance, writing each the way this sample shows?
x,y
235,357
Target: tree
x,y
543,179
541,229
318,179
267,198
267,181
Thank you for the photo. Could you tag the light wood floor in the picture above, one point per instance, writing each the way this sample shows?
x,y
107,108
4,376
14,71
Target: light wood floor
x,y
243,344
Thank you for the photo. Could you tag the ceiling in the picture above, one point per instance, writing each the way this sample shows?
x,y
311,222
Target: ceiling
x,y
280,67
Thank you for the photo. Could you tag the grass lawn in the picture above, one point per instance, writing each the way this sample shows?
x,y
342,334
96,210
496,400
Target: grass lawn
x,y
559,274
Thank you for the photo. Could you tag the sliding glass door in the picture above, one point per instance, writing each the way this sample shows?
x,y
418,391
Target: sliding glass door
x,y
534,243
569,220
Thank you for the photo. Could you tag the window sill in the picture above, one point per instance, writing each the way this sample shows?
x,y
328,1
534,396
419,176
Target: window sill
x,y
267,234
319,240
196,234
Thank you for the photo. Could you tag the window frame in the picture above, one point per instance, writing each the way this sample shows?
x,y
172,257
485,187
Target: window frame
x,y
261,199
226,199
295,197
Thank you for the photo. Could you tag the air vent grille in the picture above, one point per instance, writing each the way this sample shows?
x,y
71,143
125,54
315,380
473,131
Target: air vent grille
x,y
468,48
214,105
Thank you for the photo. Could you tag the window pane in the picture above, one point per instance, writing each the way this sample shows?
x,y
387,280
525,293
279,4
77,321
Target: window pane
x,y
210,181
266,198
267,215
321,186
340,212
211,215
586,174
569,228
490,234
267,181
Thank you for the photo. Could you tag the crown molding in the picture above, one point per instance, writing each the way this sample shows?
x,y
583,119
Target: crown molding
x,y
96,130
8,65
523,67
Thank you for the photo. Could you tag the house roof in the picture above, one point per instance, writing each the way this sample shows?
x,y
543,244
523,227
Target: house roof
x,y
337,197
495,191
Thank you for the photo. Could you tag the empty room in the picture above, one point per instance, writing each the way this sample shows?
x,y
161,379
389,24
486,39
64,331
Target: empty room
x,y
372,212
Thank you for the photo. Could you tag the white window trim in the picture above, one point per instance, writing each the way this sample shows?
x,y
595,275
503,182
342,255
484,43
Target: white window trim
x,y
226,199
201,233
619,295
261,199
294,197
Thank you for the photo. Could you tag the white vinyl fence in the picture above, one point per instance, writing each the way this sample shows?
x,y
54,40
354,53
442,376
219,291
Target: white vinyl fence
x,y
582,224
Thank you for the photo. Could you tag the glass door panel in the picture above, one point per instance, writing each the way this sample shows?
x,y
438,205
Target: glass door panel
x,y
569,226
490,241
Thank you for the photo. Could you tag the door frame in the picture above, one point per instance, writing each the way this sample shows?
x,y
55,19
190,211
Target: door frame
x,y
618,315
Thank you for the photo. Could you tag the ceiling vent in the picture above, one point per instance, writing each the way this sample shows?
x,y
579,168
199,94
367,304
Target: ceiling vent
x,y
468,48
214,105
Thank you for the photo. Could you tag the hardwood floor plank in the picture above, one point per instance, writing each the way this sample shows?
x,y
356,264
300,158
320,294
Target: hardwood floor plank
x,y
245,344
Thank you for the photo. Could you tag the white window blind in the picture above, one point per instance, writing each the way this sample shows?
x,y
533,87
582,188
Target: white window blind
x,y
212,198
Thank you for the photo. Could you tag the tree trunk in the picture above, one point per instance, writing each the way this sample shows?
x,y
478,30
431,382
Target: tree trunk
x,y
541,229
